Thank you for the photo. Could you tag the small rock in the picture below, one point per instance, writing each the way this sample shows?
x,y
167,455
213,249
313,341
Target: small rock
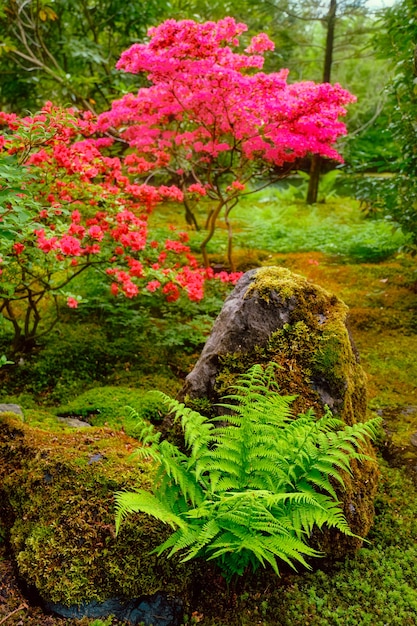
x,y
156,610
11,408
94,458
74,422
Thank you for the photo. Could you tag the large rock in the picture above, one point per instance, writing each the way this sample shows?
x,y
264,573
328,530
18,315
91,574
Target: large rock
x,y
275,315
57,508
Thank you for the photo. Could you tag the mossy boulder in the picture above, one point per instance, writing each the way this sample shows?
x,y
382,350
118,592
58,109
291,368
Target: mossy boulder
x,y
275,315
56,494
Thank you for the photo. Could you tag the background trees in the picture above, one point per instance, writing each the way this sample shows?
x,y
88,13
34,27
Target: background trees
x,y
67,51
209,123
396,197
59,51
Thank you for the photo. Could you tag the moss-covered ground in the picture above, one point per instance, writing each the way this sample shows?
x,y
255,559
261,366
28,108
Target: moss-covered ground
x,y
97,363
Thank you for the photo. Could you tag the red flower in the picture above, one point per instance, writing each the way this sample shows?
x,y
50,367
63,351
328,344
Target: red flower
x,y
72,302
153,285
18,248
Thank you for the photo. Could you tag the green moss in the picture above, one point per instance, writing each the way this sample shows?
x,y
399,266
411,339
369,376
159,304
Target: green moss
x,y
278,279
109,405
313,348
60,519
377,587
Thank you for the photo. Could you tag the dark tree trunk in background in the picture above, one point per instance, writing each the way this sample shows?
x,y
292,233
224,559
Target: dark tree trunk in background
x,y
313,185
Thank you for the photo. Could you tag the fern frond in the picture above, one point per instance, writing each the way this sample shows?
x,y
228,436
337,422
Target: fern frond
x,y
196,427
227,483
204,537
177,468
180,540
144,502
254,483
142,430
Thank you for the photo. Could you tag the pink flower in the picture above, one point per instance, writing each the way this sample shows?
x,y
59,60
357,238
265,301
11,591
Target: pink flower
x,y
236,185
226,277
95,232
46,245
70,246
260,43
197,188
72,302
153,285
76,216
171,292
136,268
176,246
130,289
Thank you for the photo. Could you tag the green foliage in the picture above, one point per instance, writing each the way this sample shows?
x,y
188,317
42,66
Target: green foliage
x,y
68,51
4,361
396,197
16,206
56,489
106,405
100,622
252,486
336,227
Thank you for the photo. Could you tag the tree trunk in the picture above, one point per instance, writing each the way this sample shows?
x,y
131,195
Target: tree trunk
x,y
314,180
313,184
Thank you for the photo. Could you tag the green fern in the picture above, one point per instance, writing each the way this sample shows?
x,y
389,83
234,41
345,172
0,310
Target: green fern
x,y
253,483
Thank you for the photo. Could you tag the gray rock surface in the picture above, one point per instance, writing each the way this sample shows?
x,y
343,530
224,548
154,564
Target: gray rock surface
x,y
12,408
243,323
74,422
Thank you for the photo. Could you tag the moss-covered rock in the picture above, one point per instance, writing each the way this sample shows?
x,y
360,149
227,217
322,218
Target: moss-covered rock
x,y
275,315
56,490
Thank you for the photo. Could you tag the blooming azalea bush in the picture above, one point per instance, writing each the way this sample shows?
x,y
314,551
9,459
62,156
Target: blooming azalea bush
x,y
66,207
213,121
80,189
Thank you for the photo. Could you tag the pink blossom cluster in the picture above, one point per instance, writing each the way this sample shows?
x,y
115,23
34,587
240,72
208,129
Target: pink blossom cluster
x,y
72,178
203,102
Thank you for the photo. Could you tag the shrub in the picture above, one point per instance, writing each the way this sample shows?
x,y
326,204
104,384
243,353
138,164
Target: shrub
x,y
254,484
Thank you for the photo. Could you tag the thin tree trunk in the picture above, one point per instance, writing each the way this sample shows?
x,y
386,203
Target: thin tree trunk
x,y
314,180
316,161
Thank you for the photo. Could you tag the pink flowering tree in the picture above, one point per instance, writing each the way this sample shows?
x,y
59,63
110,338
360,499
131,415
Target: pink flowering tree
x,y
66,208
212,121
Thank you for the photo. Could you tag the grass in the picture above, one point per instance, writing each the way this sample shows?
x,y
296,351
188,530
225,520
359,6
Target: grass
x,y
278,220
96,364
335,227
